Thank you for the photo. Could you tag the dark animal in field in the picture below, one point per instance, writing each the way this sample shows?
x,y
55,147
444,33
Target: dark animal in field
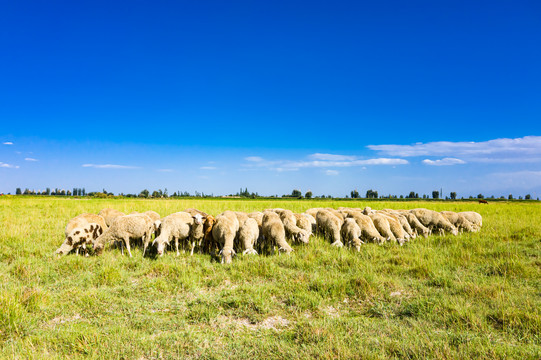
x,y
481,201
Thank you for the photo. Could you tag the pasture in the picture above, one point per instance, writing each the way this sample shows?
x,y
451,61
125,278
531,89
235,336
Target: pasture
x,y
476,295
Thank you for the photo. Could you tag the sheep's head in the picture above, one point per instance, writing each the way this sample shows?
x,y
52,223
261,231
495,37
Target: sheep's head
x,y
227,255
302,236
160,243
198,219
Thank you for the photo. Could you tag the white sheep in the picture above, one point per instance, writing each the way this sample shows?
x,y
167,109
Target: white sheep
x,y
329,225
458,220
351,233
248,235
396,228
110,215
179,226
224,232
274,232
381,223
434,220
368,230
290,224
124,229
474,218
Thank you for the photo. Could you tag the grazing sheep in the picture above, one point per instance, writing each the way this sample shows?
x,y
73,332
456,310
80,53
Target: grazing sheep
x,y
458,220
110,215
382,225
312,220
290,224
396,228
368,229
304,223
193,212
79,238
402,220
415,224
474,218
434,220
178,226
248,235
153,215
329,225
274,232
208,241
336,213
313,212
125,228
224,233
351,233
368,210
81,221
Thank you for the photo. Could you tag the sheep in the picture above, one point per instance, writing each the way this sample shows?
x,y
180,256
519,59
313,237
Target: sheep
x,y
402,220
179,226
368,229
415,224
81,221
381,223
304,223
313,212
336,213
312,220
396,228
274,232
248,235
124,228
80,237
329,225
474,218
290,224
224,233
434,220
110,215
208,241
458,220
153,215
241,217
351,233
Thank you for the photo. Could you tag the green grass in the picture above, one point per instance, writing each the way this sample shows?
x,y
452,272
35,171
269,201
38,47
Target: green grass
x,y
473,296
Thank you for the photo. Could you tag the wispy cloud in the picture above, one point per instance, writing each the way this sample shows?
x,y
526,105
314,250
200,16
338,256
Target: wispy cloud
x,y
525,179
9,166
109,166
253,158
443,162
332,172
165,170
525,149
332,157
30,159
326,161
207,168
7,143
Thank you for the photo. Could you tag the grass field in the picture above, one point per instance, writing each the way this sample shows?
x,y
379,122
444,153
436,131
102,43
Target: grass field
x,y
472,296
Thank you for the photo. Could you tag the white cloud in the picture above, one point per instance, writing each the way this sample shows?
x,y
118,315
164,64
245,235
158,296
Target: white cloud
x,y
30,159
207,168
109,166
444,162
525,149
253,159
7,143
331,157
525,180
331,172
165,170
9,166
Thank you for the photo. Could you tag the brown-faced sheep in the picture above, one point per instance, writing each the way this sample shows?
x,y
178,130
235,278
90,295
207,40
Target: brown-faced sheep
x,y
224,233
274,232
124,229
329,225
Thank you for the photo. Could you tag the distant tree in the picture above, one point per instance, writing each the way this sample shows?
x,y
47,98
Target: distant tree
x,y
308,194
424,196
355,194
18,191
453,195
435,194
68,193
165,194
528,197
480,196
296,193
48,191
26,192
412,195
510,197
520,197
155,194
144,193
401,196
371,194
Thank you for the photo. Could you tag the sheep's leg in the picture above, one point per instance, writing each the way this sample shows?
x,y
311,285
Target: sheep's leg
x,y
193,246
176,246
145,248
122,248
128,246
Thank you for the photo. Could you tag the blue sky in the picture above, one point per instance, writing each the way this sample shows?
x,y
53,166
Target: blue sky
x,y
329,96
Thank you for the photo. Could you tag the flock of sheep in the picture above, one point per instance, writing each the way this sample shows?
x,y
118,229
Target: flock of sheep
x,y
263,232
